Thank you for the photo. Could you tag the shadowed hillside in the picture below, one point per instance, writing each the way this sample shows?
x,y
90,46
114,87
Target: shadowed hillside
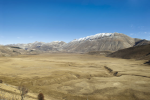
x,y
139,42
138,52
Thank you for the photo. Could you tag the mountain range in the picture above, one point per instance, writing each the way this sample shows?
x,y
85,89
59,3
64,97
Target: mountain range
x,y
6,51
54,46
97,42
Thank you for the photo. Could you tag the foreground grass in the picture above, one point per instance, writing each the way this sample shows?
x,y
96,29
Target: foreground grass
x,y
76,77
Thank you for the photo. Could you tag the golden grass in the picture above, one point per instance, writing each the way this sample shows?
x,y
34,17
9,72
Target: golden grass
x,y
77,76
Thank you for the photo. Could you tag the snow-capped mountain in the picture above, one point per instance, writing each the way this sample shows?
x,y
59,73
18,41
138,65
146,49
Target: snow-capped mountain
x,y
97,42
93,37
100,42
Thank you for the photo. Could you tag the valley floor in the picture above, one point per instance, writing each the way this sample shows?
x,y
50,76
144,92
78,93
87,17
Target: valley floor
x,y
76,77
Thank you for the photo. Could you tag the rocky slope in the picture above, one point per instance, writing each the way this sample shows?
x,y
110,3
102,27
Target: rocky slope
x,y
100,42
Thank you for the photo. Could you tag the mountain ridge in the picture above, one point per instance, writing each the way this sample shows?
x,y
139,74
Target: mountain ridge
x,y
104,42
98,42
135,52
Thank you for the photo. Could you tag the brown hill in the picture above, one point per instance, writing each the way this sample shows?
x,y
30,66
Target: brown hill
x,y
137,52
139,42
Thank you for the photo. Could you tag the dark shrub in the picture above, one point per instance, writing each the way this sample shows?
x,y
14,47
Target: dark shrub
x,y
1,81
40,96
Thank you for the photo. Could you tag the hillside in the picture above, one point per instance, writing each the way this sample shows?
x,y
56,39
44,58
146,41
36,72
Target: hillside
x,y
138,52
13,51
139,42
100,42
41,46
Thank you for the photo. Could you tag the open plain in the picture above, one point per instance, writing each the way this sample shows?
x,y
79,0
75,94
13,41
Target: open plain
x,y
77,76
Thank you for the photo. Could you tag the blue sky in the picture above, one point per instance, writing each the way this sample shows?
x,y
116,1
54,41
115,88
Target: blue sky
x,y
26,21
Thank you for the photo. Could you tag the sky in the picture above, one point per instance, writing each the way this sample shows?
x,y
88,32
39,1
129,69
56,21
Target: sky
x,y
27,21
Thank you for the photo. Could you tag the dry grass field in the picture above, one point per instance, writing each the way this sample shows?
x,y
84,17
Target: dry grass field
x,y
76,77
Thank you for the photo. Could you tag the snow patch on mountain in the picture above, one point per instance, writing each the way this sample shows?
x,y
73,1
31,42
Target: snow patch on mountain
x,y
92,37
